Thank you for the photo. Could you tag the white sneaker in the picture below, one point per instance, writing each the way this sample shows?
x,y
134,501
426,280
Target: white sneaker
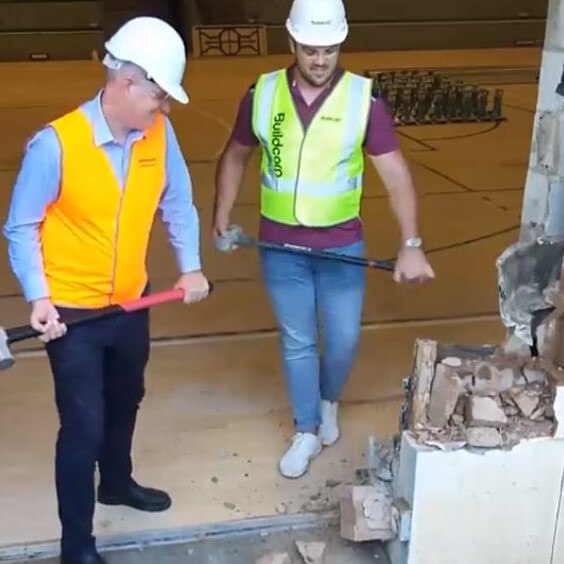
x,y
329,428
305,447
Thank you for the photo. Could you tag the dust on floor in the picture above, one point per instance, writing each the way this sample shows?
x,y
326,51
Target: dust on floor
x,y
255,548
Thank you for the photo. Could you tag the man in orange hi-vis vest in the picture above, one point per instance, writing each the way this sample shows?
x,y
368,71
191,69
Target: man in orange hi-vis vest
x,y
78,226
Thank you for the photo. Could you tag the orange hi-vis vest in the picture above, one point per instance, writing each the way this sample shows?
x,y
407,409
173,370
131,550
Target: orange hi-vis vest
x,y
95,235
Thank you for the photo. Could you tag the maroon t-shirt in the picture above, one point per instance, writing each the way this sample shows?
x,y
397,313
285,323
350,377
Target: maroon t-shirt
x,y
380,139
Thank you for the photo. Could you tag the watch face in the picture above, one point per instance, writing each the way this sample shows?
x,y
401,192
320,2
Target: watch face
x,y
414,242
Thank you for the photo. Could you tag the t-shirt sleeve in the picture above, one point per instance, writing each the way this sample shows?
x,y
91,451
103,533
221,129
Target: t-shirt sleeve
x,y
380,136
243,130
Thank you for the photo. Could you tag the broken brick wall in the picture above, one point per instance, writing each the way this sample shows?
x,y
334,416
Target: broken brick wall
x,y
477,397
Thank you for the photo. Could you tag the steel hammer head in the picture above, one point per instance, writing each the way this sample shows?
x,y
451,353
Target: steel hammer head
x,y
6,358
228,242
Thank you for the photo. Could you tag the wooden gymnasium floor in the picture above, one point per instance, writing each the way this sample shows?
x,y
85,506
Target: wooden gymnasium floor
x,y
215,418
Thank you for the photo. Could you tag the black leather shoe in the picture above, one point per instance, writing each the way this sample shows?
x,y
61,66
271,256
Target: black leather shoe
x,y
138,497
89,558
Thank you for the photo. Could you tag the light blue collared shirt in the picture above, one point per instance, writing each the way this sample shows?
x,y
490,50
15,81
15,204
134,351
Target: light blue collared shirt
x,y
37,186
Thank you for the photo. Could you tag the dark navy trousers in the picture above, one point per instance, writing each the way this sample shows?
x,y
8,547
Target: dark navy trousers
x,y
98,371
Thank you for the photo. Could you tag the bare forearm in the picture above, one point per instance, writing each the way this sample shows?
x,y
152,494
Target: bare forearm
x,y
403,201
229,177
395,175
411,264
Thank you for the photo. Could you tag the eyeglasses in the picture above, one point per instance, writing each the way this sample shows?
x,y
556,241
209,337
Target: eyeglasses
x,y
156,92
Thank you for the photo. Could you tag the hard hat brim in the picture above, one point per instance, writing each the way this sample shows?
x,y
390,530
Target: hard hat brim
x,y
177,93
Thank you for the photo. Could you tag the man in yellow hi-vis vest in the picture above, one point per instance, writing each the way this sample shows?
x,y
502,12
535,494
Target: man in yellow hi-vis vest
x,y
314,122
78,227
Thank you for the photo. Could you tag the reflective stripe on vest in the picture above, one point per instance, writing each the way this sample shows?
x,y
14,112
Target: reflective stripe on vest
x,y
312,178
95,235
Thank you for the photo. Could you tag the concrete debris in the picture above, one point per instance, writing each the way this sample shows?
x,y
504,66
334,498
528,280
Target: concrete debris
x,y
521,381
275,558
538,415
366,512
484,412
488,397
446,390
452,361
483,437
456,445
526,400
332,483
379,461
515,347
459,409
384,472
490,381
457,419
311,552
534,376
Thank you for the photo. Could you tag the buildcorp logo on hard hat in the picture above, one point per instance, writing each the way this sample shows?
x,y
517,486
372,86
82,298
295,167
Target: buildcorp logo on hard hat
x,y
276,142
320,22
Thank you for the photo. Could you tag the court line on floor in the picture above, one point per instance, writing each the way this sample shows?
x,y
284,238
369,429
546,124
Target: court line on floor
x,y
165,342
432,250
520,108
218,120
466,188
423,141
386,197
473,240
428,251
444,176
265,334
428,148
465,135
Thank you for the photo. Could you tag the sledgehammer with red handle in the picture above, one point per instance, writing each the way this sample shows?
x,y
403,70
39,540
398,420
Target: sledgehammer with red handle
x,y
17,334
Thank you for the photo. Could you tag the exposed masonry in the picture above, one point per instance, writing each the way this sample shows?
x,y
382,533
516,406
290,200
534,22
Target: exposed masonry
x,y
480,397
473,398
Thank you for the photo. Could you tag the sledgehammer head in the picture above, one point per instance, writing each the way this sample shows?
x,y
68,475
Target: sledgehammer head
x,y
229,241
6,358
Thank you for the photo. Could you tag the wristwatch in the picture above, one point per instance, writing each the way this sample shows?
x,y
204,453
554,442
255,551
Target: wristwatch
x,y
413,243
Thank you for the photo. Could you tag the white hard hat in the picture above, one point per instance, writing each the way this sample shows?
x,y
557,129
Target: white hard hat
x,y
157,48
318,23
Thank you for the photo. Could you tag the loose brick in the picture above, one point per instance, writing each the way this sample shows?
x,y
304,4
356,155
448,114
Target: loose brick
x,y
445,391
311,552
491,381
484,437
484,412
526,401
366,512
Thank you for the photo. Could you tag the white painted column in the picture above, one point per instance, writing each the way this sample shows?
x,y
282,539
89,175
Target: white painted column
x,y
543,202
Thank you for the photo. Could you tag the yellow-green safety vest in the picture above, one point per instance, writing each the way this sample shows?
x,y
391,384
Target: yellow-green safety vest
x,y
312,177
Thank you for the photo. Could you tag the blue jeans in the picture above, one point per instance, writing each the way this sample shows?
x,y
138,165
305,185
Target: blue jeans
x,y
311,295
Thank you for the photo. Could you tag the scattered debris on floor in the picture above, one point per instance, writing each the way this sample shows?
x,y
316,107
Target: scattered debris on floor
x,y
316,544
312,552
478,397
275,558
